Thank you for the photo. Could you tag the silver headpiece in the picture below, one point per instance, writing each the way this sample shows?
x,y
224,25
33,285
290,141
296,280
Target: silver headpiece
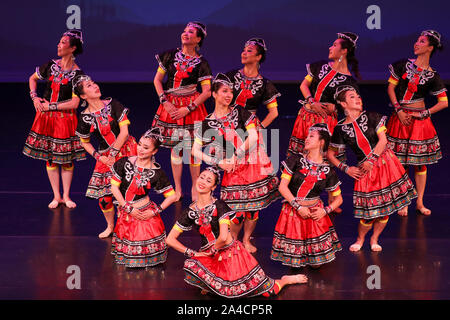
x,y
352,37
436,35
77,34
216,173
256,41
79,79
223,79
341,89
320,127
198,25
154,133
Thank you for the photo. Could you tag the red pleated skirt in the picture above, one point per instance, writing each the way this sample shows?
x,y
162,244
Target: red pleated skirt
x,y
175,131
416,144
231,273
299,242
100,182
139,243
52,138
305,119
384,190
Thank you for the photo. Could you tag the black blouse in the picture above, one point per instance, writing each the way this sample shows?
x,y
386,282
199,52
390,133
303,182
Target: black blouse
x,y
361,135
183,72
412,83
225,135
206,221
135,182
59,82
324,81
307,179
103,124
250,93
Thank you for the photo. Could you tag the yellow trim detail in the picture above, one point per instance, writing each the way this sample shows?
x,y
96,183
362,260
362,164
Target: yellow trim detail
x,y
177,228
74,95
116,183
308,78
286,176
200,142
393,81
124,122
85,140
160,70
421,173
384,220
365,224
250,126
272,105
336,193
442,99
205,82
382,128
225,221
108,210
68,168
51,168
169,193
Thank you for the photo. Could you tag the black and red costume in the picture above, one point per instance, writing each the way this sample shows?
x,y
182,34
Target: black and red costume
x,y
52,137
386,188
253,185
324,81
299,242
184,73
418,143
139,243
232,272
105,125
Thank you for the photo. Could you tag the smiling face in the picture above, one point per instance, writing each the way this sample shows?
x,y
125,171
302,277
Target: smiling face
x,y
336,51
189,36
352,101
250,55
206,182
223,95
422,46
313,141
64,47
91,90
146,149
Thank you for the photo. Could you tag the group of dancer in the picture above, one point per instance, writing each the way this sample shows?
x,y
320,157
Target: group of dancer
x,y
230,141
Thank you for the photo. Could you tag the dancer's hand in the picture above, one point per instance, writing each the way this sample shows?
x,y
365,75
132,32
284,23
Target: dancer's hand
x,y
319,109
318,213
143,215
366,167
203,254
180,113
105,161
37,102
404,118
170,108
110,161
228,165
355,173
304,212
45,105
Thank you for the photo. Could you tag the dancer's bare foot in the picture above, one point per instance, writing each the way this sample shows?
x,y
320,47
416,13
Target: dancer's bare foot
x,y
357,245
69,203
403,212
54,204
423,210
249,247
296,278
105,234
374,246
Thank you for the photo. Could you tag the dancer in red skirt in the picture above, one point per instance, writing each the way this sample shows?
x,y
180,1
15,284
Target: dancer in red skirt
x,y
139,235
107,121
222,265
52,137
319,87
304,234
411,134
251,90
230,136
181,105
382,186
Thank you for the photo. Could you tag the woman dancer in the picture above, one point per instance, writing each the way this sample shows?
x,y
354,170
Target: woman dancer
x,y
411,134
382,186
304,234
250,88
222,265
52,137
139,235
319,87
230,135
181,105
106,120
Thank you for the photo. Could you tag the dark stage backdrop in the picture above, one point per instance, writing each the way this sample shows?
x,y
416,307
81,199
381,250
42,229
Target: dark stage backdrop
x,y
122,37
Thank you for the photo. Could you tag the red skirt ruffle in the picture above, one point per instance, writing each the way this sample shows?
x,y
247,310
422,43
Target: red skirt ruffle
x,y
139,243
416,144
384,190
175,131
52,138
231,273
299,242
305,119
100,182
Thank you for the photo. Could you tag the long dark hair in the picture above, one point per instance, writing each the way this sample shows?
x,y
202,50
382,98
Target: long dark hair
x,y
351,58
